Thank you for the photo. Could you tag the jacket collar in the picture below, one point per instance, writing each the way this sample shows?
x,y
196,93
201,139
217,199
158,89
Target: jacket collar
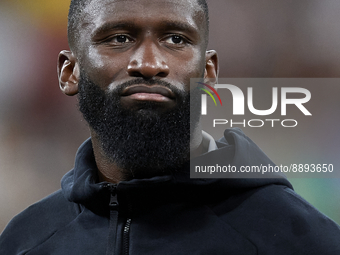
x,y
81,185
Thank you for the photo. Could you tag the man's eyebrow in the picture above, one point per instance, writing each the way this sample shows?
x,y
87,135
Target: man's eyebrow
x,y
162,26
177,25
112,26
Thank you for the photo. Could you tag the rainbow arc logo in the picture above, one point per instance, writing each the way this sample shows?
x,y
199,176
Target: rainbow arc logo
x,y
209,93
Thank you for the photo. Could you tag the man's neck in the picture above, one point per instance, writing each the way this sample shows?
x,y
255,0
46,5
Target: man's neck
x,y
107,171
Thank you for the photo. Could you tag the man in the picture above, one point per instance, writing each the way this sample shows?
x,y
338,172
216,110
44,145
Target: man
x,y
130,191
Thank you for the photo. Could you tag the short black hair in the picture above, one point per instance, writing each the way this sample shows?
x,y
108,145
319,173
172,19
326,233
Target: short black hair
x,y
77,6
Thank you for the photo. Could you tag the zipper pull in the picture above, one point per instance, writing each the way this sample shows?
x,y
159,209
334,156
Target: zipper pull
x,y
113,197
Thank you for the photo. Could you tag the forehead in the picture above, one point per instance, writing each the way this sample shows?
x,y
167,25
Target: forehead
x,y
146,12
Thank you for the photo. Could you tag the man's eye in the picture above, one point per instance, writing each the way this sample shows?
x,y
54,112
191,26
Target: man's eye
x,y
175,39
120,39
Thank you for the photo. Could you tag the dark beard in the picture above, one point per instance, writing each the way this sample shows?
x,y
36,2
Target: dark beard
x,y
144,141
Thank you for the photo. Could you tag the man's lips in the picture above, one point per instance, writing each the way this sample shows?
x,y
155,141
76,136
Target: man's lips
x,y
148,93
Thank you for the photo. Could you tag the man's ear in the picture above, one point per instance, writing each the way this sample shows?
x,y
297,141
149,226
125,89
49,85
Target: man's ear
x,y
211,66
68,73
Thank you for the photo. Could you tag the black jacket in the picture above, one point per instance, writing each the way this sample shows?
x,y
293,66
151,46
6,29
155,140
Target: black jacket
x,y
172,214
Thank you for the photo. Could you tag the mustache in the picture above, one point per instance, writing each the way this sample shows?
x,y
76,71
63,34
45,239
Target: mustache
x,y
85,83
150,82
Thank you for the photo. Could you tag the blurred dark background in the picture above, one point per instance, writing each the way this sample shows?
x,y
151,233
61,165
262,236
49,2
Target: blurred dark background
x,y
41,129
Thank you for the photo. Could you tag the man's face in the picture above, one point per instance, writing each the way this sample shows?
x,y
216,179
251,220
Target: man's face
x,y
136,59
124,40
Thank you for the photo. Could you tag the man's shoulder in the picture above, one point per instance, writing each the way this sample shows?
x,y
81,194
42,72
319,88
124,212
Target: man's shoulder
x,y
280,219
37,223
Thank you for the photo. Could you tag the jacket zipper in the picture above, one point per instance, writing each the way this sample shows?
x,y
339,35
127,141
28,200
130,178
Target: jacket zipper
x,y
126,232
113,197
113,205
126,237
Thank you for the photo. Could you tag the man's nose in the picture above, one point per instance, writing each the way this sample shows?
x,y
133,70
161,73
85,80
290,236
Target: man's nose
x,y
148,62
